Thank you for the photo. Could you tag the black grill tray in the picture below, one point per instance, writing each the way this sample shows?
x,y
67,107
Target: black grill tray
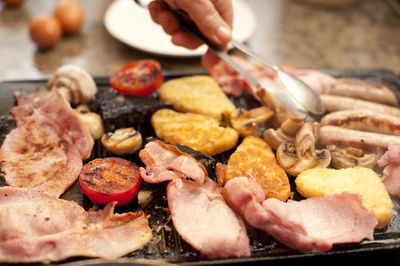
x,y
167,246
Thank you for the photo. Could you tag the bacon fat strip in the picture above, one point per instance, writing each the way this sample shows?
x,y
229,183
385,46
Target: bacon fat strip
x,y
364,89
204,220
198,211
313,224
363,120
37,227
344,137
336,103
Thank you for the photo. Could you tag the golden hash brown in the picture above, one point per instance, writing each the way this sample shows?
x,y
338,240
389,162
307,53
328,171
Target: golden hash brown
x,y
254,157
323,181
197,131
196,94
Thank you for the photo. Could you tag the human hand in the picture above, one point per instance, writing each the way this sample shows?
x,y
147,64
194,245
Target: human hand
x,y
213,18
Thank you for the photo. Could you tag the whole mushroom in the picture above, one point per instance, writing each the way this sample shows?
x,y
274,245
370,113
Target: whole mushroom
x,y
302,155
74,83
92,121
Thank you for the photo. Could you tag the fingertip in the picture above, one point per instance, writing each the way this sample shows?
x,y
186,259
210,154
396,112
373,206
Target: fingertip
x,y
223,35
155,9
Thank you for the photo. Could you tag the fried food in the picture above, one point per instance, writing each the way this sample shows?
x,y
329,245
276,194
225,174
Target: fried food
x,y
246,122
254,157
323,181
196,94
196,131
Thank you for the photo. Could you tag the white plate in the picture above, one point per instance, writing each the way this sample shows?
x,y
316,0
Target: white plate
x,y
132,25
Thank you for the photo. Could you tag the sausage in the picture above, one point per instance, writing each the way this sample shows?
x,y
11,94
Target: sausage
x,y
365,90
363,120
335,103
367,141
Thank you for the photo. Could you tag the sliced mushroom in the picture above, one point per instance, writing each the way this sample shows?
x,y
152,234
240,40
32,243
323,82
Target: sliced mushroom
x,y
122,141
292,125
92,121
351,157
276,137
270,100
301,155
75,84
247,123
286,133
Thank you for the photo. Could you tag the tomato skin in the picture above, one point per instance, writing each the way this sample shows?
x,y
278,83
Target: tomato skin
x,y
139,78
104,180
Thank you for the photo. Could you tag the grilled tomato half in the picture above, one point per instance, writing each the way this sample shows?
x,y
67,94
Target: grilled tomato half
x,y
139,78
104,180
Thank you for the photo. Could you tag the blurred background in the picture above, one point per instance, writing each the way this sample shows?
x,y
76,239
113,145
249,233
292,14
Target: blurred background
x,y
319,34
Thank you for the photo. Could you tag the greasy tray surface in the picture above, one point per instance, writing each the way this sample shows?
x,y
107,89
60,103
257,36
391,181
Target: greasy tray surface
x,y
166,244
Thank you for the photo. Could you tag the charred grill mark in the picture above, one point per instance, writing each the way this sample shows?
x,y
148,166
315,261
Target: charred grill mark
x,y
99,176
365,120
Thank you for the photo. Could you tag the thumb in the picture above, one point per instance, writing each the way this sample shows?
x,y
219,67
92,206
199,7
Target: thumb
x,y
214,20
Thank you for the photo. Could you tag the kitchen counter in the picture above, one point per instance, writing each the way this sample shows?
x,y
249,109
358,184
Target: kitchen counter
x,y
362,35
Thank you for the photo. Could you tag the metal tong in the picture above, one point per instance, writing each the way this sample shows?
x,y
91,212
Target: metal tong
x,y
298,96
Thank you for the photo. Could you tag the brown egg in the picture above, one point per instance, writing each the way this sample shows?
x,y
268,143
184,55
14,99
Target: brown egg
x,y
71,15
45,30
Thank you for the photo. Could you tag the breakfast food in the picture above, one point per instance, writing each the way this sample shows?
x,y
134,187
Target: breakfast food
x,y
247,122
37,227
363,120
197,131
336,103
198,210
285,133
71,15
254,158
46,150
91,120
122,141
327,86
59,163
367,141
321,182
139,78
166,162
314,224
349,157
365,90
391,175
190,213
45,30
212,227
124,111
302,154
196,94
54,107
111,179
75,84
